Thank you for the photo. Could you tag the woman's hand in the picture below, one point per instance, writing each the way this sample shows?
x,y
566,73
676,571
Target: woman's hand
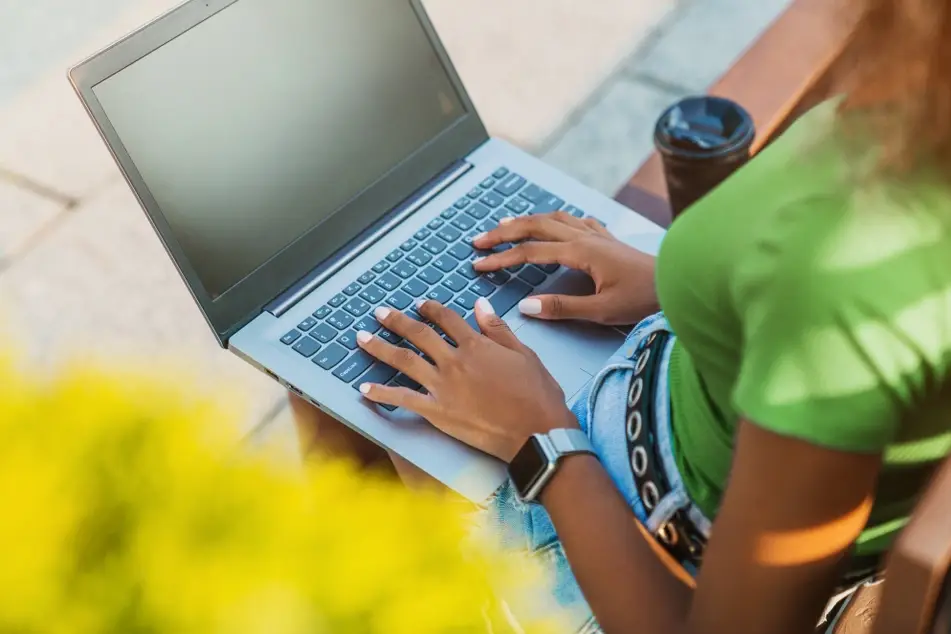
x,y
490,392
623,276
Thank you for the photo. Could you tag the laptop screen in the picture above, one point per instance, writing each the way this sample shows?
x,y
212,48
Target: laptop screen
x,y
261,122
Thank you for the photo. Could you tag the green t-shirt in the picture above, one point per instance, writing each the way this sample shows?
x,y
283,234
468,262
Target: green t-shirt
x,y
816,304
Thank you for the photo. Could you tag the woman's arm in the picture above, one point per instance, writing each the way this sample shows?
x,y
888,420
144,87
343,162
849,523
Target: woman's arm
x,y
790,515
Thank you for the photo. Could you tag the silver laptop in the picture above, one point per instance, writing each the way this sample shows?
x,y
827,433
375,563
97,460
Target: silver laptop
x,y
305,161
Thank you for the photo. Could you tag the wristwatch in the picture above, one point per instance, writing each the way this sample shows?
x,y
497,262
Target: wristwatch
x,y
537,461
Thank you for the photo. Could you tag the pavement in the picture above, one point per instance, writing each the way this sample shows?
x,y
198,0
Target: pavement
x,y
84,279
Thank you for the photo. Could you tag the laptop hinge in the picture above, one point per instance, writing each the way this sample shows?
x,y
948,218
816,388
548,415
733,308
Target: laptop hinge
x,y
367,238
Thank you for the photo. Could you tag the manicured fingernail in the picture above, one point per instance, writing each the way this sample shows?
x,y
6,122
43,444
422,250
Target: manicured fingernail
x,y
363,336
485,306
479,237
530,306
506,220
365,388
382,313
479,259
420,303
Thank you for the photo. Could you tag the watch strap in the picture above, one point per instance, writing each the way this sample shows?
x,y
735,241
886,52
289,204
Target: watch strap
x,y
567,442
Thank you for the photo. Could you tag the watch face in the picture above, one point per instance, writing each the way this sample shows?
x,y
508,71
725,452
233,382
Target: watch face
x,y
528,466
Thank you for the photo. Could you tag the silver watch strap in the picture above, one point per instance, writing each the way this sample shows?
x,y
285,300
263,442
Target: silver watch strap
x,y
570,441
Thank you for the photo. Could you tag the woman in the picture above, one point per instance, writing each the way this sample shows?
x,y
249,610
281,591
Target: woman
x,y
804,400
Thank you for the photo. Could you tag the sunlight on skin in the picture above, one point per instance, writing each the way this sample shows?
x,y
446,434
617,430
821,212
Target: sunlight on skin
x,y
814,543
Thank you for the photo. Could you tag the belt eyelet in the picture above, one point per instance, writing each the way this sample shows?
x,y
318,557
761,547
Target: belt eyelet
x,y
634,425
652,338
639,461
668,534
634,396
650,496
642,361
695,548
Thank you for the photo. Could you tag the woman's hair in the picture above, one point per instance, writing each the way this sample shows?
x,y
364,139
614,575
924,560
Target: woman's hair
x,y
898,76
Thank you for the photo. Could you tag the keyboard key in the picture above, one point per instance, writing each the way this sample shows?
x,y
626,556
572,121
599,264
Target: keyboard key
x,y
463,222
467,300
439,294
518,205
482,287
430,275
353,367
348,340
515,268
367,323
532,275
415,287
389,282
449,213
574,211
467,271
435,246
381,266
290,337
379,373
509,295
404,381
478,211
449,234
389,336
488,183
405,270
497,277
445,263
436,223
501,214
330,356
492,199
471,320
422,234
323,333
322,312
460,251
459,310
408,246
399,300
356,307
488,225
352,289
419,257
412,314
549,268
533,194
395,256
510,184
307,324
475,193
372,294
547,205
338,300
306,347
462,203
340,320
500,173
455,283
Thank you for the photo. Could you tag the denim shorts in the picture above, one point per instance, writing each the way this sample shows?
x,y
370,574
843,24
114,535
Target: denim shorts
x,y
601,408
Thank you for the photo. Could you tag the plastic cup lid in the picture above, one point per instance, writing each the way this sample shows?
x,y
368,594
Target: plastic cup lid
x,y
703,127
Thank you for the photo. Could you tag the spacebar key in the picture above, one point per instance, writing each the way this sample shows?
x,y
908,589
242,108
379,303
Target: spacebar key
x,y
380,373
510,294
353,367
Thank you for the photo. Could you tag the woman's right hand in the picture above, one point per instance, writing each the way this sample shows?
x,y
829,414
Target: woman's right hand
x,y
623,276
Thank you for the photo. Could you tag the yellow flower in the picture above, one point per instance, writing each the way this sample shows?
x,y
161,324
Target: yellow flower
x,y
126,509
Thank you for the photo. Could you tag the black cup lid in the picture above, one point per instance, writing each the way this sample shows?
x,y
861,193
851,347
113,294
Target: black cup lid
x,y
702,127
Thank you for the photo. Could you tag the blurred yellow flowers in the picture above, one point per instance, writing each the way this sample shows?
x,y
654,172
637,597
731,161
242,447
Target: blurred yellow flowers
x,y
126,508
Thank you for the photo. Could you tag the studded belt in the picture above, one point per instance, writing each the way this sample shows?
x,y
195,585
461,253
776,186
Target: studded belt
x,y
678,536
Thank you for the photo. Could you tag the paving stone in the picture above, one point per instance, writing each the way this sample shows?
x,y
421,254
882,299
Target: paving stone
x,y
604,147
704,39
23,214
100,288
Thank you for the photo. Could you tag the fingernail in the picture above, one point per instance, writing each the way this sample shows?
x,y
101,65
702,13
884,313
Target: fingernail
x,y
479,237
485,306
420,303
363,336
382,313
506,220
365,388
479,259
530,306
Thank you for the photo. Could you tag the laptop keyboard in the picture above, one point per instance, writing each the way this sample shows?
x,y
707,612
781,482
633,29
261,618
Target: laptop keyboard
x,y
436,264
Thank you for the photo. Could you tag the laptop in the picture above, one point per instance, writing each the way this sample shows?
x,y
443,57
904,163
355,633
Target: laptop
x,y
305,161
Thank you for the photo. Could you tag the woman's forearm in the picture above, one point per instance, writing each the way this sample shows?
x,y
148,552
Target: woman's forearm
x,y
625,581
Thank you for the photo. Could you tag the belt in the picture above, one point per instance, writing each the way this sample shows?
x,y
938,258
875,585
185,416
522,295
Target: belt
x,y
678,535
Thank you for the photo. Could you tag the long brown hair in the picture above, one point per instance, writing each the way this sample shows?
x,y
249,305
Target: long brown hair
x,y
898,72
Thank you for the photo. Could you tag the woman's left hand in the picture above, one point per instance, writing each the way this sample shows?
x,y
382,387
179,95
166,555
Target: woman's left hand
x,y
490,391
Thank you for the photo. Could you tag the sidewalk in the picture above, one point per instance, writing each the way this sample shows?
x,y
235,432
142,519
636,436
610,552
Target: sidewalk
x,y
82,276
